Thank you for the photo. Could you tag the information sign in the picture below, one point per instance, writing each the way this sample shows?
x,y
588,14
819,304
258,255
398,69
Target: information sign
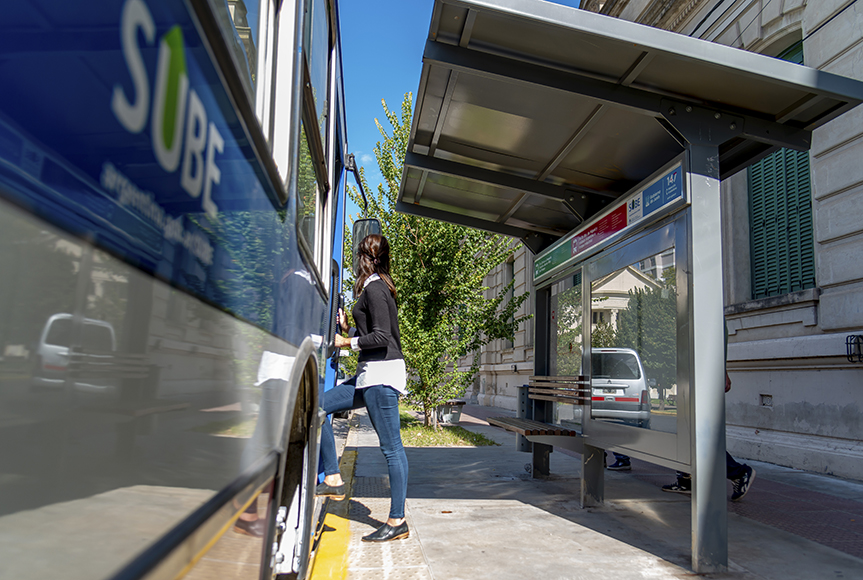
x,y
659,195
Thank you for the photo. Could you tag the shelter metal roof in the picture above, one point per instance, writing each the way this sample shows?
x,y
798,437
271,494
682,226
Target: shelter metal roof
x,y
532,117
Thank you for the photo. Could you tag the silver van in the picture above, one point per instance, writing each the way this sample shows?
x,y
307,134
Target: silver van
x,y
620,389
51,365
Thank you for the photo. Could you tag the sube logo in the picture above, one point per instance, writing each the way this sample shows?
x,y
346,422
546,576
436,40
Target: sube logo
x,y
635,204
177,115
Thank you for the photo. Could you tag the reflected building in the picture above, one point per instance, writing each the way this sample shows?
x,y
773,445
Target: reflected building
x,y
611,293
239,16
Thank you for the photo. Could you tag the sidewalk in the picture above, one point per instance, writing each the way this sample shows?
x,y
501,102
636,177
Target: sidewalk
x,y
476,513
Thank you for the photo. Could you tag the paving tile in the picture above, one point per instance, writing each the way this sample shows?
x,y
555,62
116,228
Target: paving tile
x,y
852,548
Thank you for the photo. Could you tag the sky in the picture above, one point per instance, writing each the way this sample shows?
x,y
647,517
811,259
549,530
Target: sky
x,y
382,48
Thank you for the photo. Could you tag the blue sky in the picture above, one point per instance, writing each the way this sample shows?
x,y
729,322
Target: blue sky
x,y
382,48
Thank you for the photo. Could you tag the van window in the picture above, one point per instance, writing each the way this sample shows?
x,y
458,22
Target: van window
x,y
60,333
614,365
97,337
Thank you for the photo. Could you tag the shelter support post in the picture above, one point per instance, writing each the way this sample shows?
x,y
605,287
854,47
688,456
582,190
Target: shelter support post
x,y
541,460
592,476
525,411
542,411
709,509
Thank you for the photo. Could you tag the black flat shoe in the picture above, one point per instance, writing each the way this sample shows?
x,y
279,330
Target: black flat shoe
x,y
386,532
255,528
333,492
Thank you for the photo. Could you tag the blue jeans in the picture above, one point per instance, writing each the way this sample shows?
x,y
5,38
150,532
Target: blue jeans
x,y
382,403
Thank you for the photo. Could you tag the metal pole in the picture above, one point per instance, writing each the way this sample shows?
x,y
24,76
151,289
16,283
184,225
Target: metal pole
x,y
351,165
709,510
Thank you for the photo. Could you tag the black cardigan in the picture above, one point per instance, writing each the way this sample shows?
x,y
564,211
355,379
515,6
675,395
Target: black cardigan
x,y
377,321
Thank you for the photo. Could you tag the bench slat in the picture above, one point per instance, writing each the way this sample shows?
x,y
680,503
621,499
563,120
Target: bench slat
x,y
569,390
563,392
528,427
568,400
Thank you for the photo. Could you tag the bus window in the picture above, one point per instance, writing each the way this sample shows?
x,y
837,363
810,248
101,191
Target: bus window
x,y
307,190
313,185
317,49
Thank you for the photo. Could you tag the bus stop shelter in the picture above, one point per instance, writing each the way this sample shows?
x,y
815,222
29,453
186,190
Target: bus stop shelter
x,y
601,144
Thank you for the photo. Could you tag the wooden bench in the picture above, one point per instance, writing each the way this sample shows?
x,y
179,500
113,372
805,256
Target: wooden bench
x,y
529,427
571,390
545,436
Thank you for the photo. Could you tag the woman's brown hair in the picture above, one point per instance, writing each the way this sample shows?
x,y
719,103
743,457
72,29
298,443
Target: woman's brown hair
x,y
374,253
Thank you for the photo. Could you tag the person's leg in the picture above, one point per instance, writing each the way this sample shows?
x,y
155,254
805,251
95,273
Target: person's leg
x,y
343,397
383,406
741,476
262,440
621,462
733,470
683,484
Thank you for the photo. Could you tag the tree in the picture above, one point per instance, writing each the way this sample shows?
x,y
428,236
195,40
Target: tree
x,y
566,337
438,269
649,326
603,335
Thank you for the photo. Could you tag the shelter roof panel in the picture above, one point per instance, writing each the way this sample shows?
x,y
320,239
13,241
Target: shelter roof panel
x,y
545,215
523,102
612,151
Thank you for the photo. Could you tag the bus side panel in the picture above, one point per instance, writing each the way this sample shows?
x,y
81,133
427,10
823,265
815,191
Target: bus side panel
x,y
152,296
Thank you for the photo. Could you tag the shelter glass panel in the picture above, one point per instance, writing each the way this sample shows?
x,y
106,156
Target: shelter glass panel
x,y
566,342
634,344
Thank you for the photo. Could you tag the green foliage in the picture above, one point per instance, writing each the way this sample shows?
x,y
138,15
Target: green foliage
x,y
416,435
603,336
438,269
568,316
649,325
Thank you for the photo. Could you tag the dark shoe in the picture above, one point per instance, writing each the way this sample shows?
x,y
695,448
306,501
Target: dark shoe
x,y
254,528
337,493
619,465
386,532
678,487
742,484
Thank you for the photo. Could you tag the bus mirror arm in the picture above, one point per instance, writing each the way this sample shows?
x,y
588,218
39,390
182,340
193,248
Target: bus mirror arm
x,y
352,167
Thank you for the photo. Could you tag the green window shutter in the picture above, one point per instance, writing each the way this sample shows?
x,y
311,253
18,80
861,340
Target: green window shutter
x,y
780,218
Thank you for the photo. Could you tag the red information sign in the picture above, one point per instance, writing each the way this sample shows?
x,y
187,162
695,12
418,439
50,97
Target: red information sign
x,y
604,228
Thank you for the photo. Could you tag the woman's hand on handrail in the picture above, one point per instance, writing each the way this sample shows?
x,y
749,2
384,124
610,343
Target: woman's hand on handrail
x,y
343,321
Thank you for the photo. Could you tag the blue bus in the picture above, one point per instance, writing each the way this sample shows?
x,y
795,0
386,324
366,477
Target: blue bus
x,y
172,177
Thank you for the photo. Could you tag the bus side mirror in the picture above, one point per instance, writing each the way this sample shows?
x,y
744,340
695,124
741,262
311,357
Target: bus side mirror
x,y
363,228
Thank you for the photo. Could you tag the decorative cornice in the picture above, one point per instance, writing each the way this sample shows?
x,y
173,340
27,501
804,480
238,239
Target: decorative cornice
x,y
608,7
683,14
665,14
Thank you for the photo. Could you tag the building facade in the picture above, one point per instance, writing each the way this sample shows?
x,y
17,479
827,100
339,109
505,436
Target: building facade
x,y
792,236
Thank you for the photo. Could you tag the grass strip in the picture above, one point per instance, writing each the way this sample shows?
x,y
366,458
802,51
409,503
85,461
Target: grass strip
x,y
415,434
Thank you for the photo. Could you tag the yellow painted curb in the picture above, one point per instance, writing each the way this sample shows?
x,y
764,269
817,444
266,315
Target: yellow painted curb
x,y
331,560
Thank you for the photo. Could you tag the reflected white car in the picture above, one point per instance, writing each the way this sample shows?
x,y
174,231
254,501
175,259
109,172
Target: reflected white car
x,y
52,359
620,389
